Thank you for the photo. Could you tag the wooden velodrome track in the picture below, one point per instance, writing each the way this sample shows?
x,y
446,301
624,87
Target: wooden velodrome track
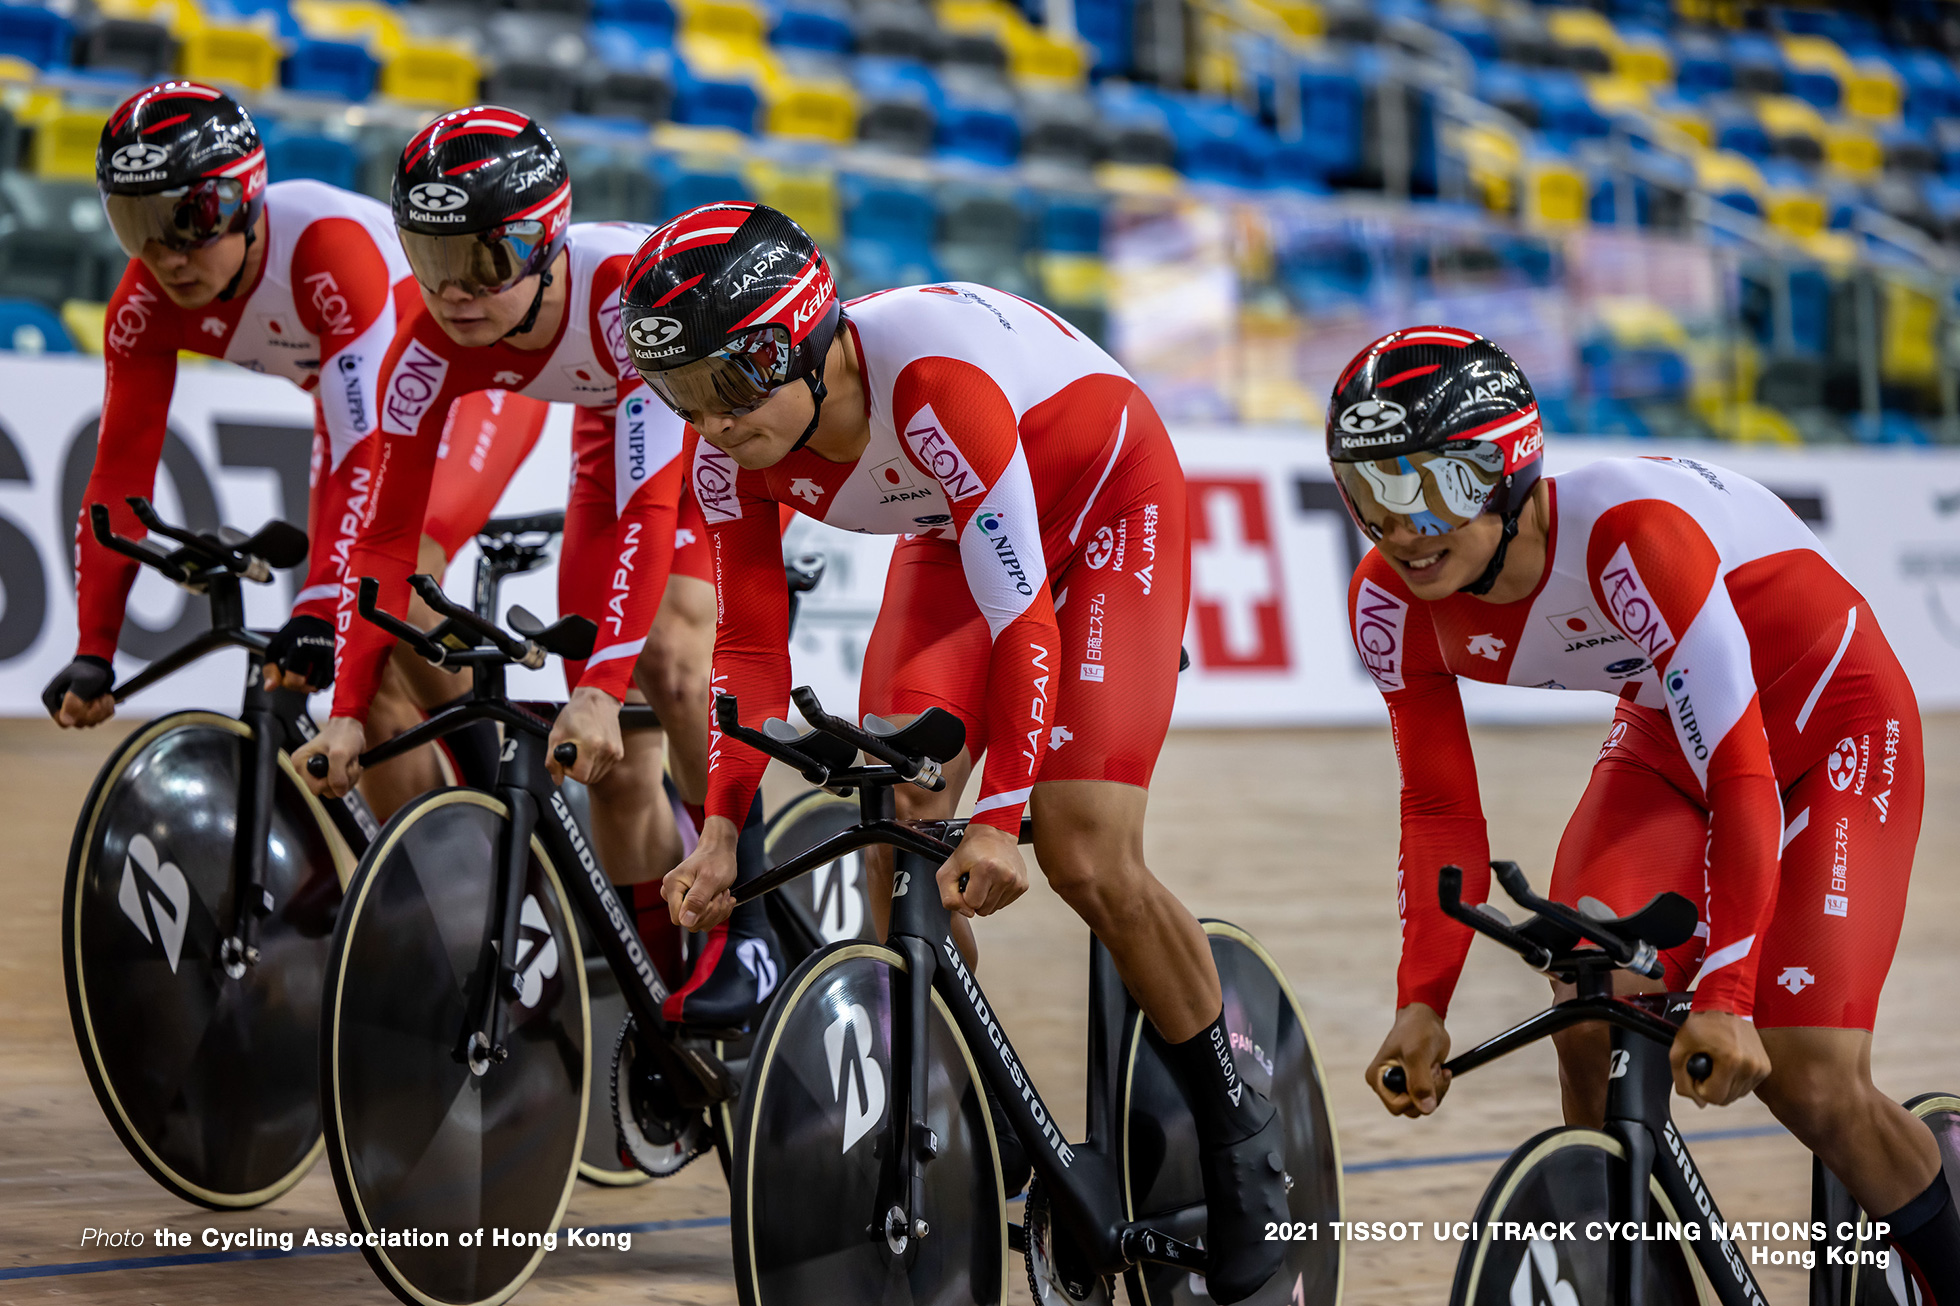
x,y
1290,833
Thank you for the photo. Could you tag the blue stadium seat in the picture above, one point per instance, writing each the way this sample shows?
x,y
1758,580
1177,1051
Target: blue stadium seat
x,y
248,12
311,155
700,102
685,184
978,124
1891,427
889,229
631,45
1701,66
1757,62
338,68
1932,86
1814,85
28,327
1107,26
1742,133
40,36
1471,30
1565,112
1331,103
811,25
653,15
899,103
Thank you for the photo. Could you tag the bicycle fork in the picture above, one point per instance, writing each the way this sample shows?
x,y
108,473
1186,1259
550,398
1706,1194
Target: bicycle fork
x,y
251,901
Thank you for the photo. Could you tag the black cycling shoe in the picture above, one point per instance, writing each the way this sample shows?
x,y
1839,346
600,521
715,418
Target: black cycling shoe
x,y
1245,1190
732,980
1015,1170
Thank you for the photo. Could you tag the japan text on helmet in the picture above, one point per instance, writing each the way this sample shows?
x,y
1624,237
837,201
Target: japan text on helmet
x,y
181,164
724,305
1435,426
482,200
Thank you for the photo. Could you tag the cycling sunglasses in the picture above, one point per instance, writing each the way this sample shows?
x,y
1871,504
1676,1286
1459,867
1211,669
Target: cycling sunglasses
x,y
733,381
183,218
1434,492
478,262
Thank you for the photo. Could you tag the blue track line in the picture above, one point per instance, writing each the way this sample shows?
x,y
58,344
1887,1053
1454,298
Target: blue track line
x,y
721,1221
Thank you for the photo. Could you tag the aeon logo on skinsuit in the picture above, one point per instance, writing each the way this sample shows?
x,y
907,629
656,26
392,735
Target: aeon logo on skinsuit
x,y
856,1081
156,897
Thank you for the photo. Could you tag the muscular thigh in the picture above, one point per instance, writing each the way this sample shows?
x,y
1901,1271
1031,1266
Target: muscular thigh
x,y
1636,833
1849,835
930,646
485,439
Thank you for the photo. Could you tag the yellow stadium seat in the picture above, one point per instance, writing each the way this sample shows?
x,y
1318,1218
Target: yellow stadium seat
x,y
182,17
716,147
1646,60
1031,51
807,194
1725,170
1754,423
1492,157
808,109
1636,322
1611,95
1817,52
1795,212
1148,179
17,70
1685,120
234,56
1073,279
85,322
1851,147
64,141
1909,350
364,22
1302,18
1871,90
439,76
1554,193
724,20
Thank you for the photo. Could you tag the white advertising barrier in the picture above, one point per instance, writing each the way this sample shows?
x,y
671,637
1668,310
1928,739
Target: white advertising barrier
x,y
1272,551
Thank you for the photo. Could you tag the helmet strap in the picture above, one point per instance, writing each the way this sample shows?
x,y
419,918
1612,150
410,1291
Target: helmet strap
x,y
1482,584
231,287
818,392
537,302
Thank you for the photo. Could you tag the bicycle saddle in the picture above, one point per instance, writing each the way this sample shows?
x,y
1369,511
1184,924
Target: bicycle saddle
x,y
1667,921
936,734
827,750
568,637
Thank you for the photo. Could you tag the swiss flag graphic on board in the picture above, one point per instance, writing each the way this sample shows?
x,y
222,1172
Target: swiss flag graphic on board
x,y
1236,593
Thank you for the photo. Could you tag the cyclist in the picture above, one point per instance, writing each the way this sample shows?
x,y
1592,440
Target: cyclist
x,y
515,297
1764,760
296,279
1007,449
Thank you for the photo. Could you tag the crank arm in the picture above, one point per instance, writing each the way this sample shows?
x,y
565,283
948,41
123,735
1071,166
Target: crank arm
x,y
1146,1242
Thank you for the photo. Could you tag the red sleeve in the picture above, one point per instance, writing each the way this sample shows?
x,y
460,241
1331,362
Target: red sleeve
x,y
140,371
1659,578
959,428
751,617
1442,815
420,379
647,478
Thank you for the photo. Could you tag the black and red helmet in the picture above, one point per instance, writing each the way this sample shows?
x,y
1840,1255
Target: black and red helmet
x,y
180,163
726,304
482,199
1435,426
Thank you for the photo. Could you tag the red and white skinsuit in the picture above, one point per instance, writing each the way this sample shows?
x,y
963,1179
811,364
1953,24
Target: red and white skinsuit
x,y
1764,761
1040,589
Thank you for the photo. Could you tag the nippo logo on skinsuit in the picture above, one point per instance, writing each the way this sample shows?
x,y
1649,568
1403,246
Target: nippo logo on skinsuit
x,y
1632,607
938,454
1379,618
714,484
437,197
412,387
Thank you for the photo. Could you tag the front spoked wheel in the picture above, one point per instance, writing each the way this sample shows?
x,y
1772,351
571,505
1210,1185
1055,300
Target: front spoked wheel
x,y
1275,1054
430,1153
813,1134
211,1081
1568,1175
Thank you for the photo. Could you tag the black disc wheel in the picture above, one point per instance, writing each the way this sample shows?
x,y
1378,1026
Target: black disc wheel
x,y
461,1163
1854,1283
1275,1053
211,1081
1568,1175
809,1222
830,904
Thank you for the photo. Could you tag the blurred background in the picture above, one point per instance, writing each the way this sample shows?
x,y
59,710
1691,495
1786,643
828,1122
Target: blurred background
x,y
1692,219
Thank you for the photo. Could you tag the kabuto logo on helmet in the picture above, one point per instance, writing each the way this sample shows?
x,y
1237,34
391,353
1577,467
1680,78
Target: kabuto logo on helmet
x,y
1371,417
138,158
653,332
437,197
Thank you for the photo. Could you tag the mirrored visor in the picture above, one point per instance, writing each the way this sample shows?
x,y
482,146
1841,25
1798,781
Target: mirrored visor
x,y
184,217
1433,493
478,262
734,380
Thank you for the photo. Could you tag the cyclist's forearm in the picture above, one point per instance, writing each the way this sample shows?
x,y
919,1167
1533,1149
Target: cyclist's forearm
x,y
1744,861
1433,945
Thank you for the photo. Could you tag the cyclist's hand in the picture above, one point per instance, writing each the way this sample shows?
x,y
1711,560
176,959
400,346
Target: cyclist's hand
x,y
79,693
995,873
1419,1044
1732,1044
590,720
697,890
300,655
340,741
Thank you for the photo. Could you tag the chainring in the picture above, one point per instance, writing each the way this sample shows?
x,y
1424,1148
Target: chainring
x,y
1056,1274
655,1133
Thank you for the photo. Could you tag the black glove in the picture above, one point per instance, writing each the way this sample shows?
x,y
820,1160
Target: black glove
x,y
304,646
86,678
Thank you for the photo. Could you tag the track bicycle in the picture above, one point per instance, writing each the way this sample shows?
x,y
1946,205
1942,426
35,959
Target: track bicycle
x,y
456,1034
1637,1170
866,1166
201,891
